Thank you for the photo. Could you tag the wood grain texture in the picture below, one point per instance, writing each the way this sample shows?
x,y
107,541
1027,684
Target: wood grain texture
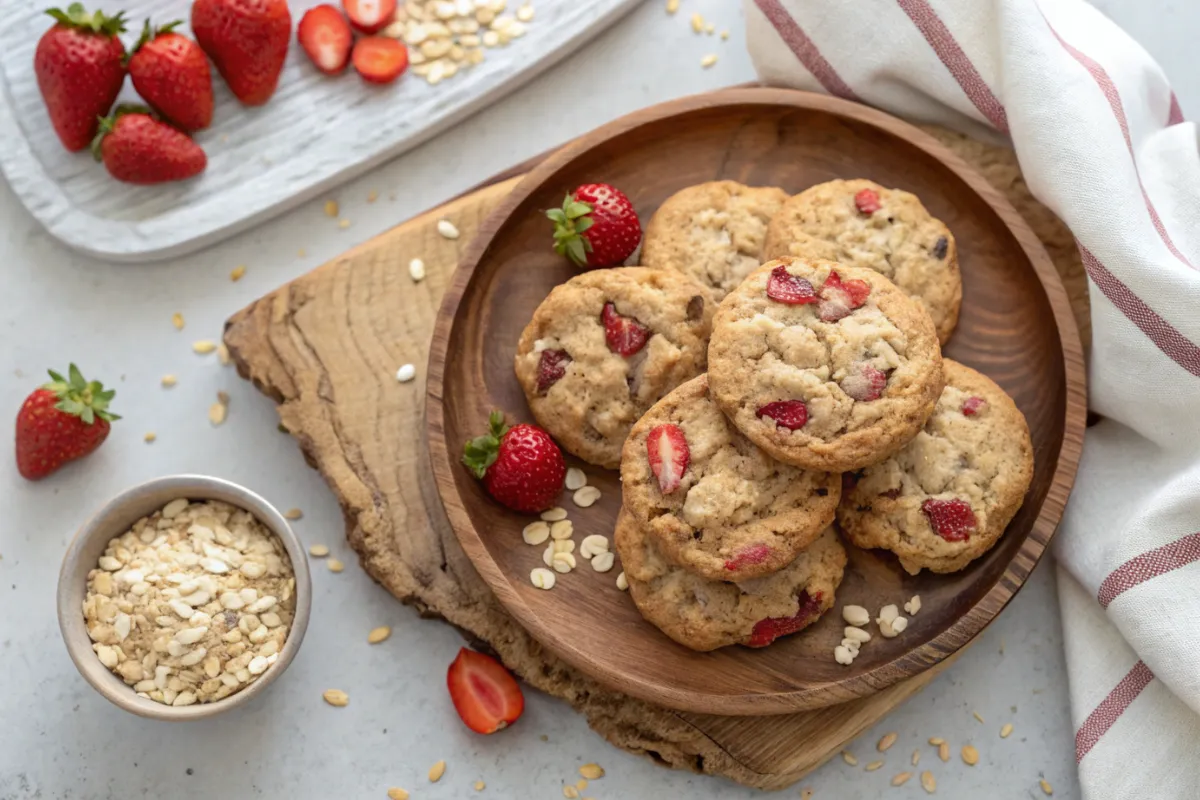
x,y
309,346
262,161
1016,326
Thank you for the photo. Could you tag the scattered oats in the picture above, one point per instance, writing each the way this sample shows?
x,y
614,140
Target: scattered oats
x,y
217,412
978,717
944,751
535,533
336,697
563,529
416,270
525,13
916,757
900,779
563,562
237,272
331,208
203,347
379,634
406,373
593,545
293,513
856,634
480,786
1047,789
887,741
372,196
888,613
724,35
223,355
709,28
856,615
874,765
343,223
447,230
913,605
554,514
586,496
806,794
603,562
570,792
542,578
491,39
970,755
708,60
177,321
149,437
622,582
168,381
335,565
1006,731
672,6
936,741
437,771
301,253
397,794
849,758
697,23
842,655
576,478
581,784
318,551
928,782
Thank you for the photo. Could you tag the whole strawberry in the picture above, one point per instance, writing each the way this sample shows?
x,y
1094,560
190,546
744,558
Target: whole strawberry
x,y
247,40
80,68
596,227
137,148
64,420
171,73
521,467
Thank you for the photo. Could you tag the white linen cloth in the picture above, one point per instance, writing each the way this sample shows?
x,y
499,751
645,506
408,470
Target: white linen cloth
x,y
1102,141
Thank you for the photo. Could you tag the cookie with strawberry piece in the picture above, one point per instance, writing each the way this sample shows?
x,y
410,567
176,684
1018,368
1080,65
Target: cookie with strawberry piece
x,y
946,498
714,503
824,366
705,614
859,223
604,347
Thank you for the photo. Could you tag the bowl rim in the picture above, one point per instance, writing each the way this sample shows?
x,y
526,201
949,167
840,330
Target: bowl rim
x,y
97,525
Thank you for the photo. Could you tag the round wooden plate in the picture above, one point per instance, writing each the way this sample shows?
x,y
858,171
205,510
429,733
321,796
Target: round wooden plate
x,y
1016,326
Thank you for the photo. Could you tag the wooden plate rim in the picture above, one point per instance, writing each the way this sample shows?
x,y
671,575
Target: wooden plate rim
x,y
962,631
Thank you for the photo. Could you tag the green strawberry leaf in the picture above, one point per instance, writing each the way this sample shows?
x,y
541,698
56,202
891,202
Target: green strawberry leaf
x,y
482,451
80,397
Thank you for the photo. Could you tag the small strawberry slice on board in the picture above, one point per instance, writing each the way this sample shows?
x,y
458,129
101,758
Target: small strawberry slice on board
x,y
953,520
485,694
326,38
138,148
370,16
61,421
379,59
790,414
784,287
624,335
669,455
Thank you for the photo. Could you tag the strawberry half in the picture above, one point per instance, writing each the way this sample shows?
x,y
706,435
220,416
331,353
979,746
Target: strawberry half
x,y
326,38
667,449
864,383
485,694
63,420
379,59
521,467
596,226
839,298
867,202
370,16
768,630
748,556
972,406
953,520
790,414
552,365
624,335
784,287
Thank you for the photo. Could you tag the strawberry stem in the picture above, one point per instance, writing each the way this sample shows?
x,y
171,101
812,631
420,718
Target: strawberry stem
x,y
149,33
482,451
570,222
80,397
94,21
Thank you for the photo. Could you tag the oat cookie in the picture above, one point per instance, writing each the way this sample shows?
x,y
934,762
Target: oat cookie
x,y
704,615
946,498
861,224
714,503
713,231
824,366
604,347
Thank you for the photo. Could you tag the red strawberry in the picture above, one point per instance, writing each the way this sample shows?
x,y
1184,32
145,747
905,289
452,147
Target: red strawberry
x,y
171,73
552,365
63,420
521,467
972,406
867,202
838,299
137,148
790,414
485,694
247,40
864,383
953,520
768,630
624,335
785,287
667,449
748,556
379,59
80,68
370,16
596,226
326,37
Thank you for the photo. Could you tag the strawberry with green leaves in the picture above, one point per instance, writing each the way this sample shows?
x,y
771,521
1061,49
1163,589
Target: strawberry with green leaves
x,y
171,73
596,227
521,467
137,147
61,421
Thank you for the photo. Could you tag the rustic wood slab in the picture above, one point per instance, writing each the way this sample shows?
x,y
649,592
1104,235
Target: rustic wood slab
x,y
326,346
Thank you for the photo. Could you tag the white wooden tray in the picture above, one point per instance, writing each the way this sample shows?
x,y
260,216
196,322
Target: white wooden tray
x,y
315,132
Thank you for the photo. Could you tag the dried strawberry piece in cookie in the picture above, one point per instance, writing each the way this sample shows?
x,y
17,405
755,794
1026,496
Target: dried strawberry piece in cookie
x,y
864,383
624,335
867,202
972,406
748,556
839,298
667,449
784,287
953,520
768,630
552,365
790,414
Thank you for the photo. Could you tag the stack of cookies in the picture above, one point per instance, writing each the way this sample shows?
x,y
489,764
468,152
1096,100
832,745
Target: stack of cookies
x,y
811,410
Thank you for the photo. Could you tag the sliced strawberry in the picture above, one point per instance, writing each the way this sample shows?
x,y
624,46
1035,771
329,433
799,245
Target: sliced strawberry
x,y
748,556
667,449
790,414
839,298
768,630
551,367
624,335
370,16
485,694
867,202
784,287
379,59
326,38
864,383
953,520
972,406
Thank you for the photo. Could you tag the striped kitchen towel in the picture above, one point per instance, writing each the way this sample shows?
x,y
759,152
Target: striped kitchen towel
x,y
1102,141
